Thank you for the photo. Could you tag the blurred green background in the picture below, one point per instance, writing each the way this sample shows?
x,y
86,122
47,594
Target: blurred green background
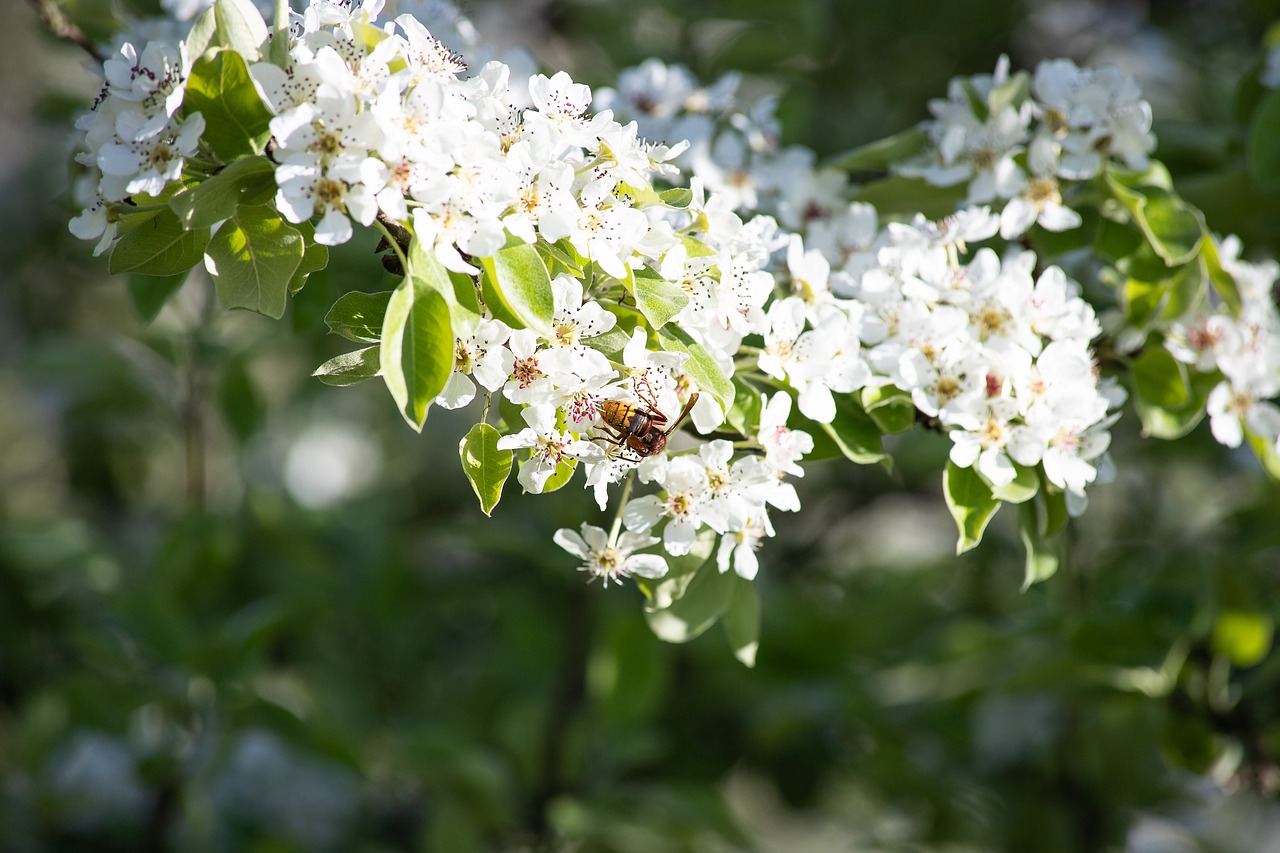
x,y
241,610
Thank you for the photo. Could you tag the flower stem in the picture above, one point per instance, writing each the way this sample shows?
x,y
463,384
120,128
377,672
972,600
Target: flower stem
x,y
622,505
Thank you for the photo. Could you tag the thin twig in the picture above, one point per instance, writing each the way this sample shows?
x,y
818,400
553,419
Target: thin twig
x,y
62,27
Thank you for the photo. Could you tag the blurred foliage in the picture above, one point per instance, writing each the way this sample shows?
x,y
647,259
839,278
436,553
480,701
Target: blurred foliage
x,y
241,610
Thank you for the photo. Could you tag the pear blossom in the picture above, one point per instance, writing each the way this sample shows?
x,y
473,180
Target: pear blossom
x,y
612,560
551,447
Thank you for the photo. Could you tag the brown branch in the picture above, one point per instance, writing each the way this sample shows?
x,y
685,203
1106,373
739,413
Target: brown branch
x,y
62,27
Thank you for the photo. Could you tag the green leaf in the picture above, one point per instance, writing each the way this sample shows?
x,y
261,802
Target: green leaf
x,y
358,316
149,293
457,288
1024,487
658,299
279,53
855,433
1143,301
487,468
1170,406
1266,452
890,408
417,348
742,621
241,27
1173,228
1053,510
158,245
971,503
695,248
1043,558
705,599
1224,284
315,257
1243,636
236,119
1012,93
1262,153
519,279
882,153
661,592
248,180
202,34
700,367
252,258
561,476
902,195
678,197
349,368
744,416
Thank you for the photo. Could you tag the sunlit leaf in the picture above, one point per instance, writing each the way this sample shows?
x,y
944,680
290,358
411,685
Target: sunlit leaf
x,y
487,468
358,316
158,245
235,116
349,368
252,258
971,503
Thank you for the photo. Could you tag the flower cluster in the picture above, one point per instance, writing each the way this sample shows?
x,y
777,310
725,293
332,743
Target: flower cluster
x,y
1014,151
995,353
1244,347
136,141
756,273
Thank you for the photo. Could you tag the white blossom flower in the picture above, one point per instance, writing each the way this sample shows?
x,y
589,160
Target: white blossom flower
x,y
479,357
551,447
612,561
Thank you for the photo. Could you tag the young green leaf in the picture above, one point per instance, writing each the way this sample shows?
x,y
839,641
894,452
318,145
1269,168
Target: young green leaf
x,y
1025,486
678,197
744,415
1043,558
149,293
158,245
241,27
349,368
561,476
971,503
417,349
855,433
661,592
1173,228
890,408
252,258
742,621
658,299
1169,405
248,181
520,280
279,51
704,601
457,288
358,316
700,367
882,153
202,34
236,119
315,257
486,467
